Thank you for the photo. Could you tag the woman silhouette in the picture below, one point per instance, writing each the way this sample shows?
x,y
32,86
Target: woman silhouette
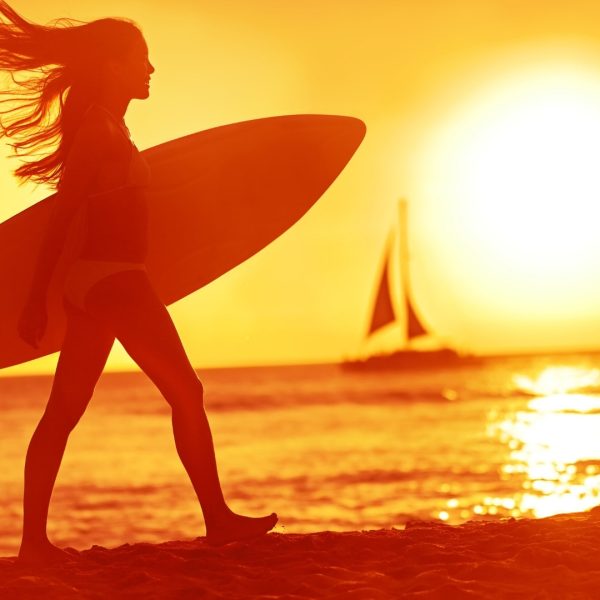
x,y
78,82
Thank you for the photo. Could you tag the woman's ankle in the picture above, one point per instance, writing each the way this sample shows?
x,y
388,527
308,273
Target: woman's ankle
x,y
216,517
35,541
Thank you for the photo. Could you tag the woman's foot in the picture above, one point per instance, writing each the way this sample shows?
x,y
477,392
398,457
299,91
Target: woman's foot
x,y
236,528
43,554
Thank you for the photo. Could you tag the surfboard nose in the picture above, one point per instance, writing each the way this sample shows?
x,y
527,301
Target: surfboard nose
x,y
337,132
359,129
342,135
351,129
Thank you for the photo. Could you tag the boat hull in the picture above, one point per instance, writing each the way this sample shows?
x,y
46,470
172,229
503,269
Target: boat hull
x,y
412,359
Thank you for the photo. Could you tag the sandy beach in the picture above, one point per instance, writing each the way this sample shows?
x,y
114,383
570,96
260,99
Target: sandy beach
x,y
556,557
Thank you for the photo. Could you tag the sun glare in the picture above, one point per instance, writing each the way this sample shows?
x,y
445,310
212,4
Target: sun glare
x,y
534,174
525,161
514,176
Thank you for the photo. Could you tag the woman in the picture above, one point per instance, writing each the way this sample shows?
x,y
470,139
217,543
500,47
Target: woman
x,y
79,80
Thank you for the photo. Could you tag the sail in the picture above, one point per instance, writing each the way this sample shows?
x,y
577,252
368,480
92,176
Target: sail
x,y
383,310
414,327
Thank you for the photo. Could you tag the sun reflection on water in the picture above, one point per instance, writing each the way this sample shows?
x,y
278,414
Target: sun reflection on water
x,y
554,444
558,380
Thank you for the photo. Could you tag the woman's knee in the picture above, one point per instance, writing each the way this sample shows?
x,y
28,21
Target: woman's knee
x,y
188,393
67,405
63,418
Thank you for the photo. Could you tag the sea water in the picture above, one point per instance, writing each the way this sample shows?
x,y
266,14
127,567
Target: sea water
x,y
325,448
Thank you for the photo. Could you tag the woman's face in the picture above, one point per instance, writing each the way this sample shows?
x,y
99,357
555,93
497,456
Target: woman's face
x,y
132,72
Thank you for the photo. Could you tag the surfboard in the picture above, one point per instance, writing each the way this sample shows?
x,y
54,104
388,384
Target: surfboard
x,y
217,198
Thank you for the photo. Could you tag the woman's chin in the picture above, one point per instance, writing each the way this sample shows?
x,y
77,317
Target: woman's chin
x,y
142,94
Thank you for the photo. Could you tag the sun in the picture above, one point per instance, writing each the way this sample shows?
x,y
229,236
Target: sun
x,y
515,178
529,173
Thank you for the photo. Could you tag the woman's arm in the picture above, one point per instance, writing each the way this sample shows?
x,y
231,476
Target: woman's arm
x,y
80,170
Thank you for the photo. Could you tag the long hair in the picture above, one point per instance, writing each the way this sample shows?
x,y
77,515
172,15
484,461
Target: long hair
x,y
55,74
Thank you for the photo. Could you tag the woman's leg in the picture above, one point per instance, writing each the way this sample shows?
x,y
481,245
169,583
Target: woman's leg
x,y
127,303
83,356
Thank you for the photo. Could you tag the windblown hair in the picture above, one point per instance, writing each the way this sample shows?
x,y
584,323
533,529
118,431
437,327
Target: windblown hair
x,y
55,72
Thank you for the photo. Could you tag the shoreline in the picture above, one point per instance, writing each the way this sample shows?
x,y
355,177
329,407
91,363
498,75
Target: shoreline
x,y
552,557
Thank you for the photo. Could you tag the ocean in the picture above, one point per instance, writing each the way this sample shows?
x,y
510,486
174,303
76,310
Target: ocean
x,y
324,448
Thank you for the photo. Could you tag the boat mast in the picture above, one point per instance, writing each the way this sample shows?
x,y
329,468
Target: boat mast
x,y
414,327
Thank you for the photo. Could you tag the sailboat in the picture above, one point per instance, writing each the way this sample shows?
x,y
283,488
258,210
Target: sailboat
x,y
383,314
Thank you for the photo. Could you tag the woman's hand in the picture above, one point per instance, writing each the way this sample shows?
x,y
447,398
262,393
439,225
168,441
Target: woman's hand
x,y
33,321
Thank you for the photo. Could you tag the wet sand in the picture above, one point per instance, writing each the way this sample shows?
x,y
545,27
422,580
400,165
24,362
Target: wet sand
x,y
556,557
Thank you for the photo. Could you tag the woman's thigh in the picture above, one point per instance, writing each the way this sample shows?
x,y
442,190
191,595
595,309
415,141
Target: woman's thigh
x,y
83,356
128,304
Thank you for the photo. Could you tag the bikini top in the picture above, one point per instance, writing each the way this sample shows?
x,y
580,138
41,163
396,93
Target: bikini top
x,y
138,171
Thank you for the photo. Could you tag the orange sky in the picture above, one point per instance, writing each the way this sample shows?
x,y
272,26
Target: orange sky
x,y
457,97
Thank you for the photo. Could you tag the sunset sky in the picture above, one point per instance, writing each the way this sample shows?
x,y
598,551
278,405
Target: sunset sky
x,y
484,115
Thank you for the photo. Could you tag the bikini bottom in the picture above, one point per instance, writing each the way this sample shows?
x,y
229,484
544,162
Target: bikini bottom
x,y
84,274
